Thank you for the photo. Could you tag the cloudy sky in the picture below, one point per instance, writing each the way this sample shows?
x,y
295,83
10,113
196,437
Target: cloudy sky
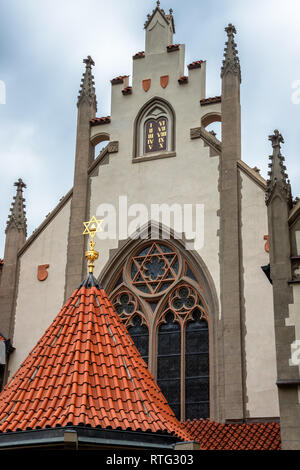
x,y
43,43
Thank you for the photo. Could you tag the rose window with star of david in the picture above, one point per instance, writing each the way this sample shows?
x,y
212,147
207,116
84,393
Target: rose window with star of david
x,y
159,297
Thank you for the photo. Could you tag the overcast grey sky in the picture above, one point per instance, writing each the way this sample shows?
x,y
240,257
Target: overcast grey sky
x,y
43,43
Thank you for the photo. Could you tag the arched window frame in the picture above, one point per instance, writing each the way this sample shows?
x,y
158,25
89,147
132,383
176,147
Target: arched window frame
x,y
147,112
120,281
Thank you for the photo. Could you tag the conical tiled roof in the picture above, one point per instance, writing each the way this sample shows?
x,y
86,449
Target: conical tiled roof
x,y
86,371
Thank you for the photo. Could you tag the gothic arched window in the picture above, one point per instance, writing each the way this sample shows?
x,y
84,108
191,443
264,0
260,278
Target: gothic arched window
x,y
154,130
160,299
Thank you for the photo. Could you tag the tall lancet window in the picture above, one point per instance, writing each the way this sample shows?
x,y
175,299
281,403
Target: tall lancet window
x,y
154,130
162,303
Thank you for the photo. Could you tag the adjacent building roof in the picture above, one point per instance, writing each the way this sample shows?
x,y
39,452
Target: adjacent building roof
x,y
86,371
251,436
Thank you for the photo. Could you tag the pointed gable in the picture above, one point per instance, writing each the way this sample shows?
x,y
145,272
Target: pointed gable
x,y
86,371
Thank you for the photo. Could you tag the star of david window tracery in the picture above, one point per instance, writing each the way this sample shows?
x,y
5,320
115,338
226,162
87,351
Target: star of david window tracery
x,y
160,300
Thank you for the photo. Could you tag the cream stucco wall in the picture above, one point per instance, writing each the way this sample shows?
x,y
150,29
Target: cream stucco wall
x,y
39,302
259,317
190,177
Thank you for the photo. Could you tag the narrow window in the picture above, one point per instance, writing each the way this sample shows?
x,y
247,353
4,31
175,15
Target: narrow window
x,y
140,336
168,362
197,368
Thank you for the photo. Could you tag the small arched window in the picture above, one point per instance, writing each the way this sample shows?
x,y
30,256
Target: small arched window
x,y
154,130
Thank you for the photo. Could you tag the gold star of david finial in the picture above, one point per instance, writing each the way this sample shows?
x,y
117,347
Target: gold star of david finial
x,y
92,227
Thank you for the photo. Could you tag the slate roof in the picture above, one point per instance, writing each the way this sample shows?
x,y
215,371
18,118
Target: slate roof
x,y
250,436
86,371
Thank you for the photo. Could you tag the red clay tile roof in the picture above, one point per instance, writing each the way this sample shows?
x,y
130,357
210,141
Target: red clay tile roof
x,y
85,370
173,47
215,99
2,338
127,90
196,65
1,262
117,80
101,120
252,436
183,80
139,55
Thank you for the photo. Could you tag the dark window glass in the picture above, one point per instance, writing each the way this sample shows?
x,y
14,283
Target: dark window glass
x,y
168,362
197,368
140,336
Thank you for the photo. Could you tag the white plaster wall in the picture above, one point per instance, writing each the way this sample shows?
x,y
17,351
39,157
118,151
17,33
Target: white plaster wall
x,y
260,334
189,178
38,302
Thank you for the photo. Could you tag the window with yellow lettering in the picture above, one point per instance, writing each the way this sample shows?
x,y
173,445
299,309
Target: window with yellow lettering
x,y
156,135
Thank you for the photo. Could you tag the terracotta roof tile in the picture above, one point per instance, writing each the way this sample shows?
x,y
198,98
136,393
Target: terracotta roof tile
x,y
139,55
196,65
173,47
117,80
219,436
183,80
1,262
85,370
127,90
102,120
213,100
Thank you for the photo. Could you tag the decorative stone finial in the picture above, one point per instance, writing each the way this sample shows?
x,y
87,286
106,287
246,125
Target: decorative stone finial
x,y
278,176
17,216
231,62
87,88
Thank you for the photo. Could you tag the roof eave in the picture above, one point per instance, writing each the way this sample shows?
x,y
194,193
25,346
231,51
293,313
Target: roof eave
x,y
100,438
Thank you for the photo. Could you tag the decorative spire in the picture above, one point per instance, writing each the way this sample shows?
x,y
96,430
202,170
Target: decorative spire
x,y
17,214
278,176
87,87
231,62
91,228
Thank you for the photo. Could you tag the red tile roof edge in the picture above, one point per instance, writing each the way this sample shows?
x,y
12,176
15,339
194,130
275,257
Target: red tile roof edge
x,y
183,80
247,436
102,120
127,90
139,55
1,262
117,80
213,100
173,47
196,65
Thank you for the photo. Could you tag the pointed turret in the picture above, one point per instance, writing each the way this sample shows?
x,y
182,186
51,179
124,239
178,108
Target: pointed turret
x,y
230,236
86,376
277,175
87,88
231,62
16,230
17,216
87,105
285,293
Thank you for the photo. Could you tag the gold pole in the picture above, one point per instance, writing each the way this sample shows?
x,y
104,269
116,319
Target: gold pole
x,y
91,228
